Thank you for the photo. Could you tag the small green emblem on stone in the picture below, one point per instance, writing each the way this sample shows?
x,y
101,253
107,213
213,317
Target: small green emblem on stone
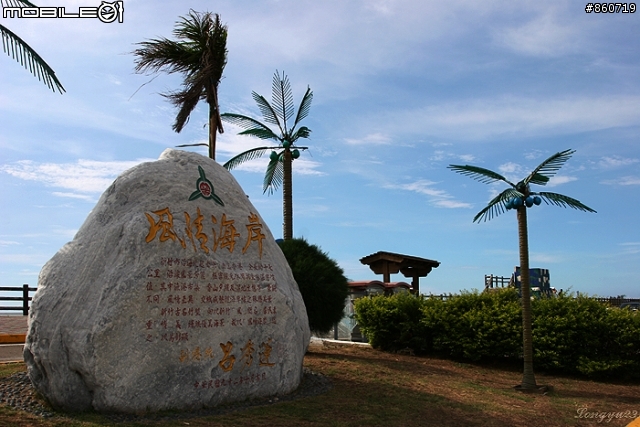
x,y
204,189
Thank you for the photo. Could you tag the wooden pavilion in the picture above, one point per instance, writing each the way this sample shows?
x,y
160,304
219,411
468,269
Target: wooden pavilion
x,y
388,263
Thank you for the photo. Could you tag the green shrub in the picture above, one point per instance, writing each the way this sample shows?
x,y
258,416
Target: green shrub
x,y
582,336
391,323
570,335
474,326
322,283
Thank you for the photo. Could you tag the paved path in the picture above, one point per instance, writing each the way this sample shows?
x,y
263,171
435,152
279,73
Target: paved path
x,y
13,329
11,353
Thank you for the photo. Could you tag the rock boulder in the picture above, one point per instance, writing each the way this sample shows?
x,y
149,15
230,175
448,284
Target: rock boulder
x,y
172,295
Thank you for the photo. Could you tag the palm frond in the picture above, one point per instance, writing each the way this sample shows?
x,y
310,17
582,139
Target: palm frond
x,y
163,55
245,122
248,155
564,201
194,145
186,100
305,105
267,111
548,168
497,205
261,133
302,132
538,179
204,40
19,50
251,126
282,98
479,174
274,176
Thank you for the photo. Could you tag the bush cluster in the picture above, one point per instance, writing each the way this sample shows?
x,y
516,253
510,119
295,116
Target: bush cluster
x,y
570,335
322,283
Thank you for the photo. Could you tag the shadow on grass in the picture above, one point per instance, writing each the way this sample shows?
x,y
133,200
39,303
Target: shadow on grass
x,y
389,361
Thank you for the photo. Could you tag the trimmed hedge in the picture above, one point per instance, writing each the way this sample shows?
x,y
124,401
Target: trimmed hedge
x,y
570,335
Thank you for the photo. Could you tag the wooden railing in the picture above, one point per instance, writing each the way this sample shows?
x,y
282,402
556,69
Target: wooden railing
x,y
492,282
25,298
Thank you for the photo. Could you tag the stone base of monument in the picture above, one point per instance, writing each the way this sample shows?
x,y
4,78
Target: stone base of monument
x,y
172,295
540,389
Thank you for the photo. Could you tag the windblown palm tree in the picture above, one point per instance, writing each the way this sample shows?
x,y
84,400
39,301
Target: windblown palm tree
x,y
280,112
201,54
520,197
19,50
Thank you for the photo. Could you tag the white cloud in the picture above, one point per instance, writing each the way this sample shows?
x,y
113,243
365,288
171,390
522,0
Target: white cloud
x,y
450,204
84,176
533,155
542,36
74,196
483,118
630,248
439,198
560,179
616,162
625,180
510,167
440,155
371,139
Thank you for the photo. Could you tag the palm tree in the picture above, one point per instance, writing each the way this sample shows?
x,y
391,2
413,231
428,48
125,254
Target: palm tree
x,y
520,197
19,50
280,112
201,54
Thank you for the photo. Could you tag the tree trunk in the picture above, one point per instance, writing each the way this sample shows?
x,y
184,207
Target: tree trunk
x,y
528,378
213,125
215,121
287,195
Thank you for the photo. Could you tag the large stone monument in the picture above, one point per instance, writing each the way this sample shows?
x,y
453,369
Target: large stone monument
x,y
172,295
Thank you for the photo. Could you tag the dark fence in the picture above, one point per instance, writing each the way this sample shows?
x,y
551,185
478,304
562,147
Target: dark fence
x,y
25,298
442,297
615,301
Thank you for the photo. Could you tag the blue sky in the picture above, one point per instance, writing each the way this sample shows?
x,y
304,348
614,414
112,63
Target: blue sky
x,y
401,90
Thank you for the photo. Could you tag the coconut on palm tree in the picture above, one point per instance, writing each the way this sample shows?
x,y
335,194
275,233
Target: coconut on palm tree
x,y
520,197
279,112
201,55
19,50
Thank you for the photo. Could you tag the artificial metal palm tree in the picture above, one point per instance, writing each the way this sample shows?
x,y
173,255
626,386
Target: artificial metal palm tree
x,y
520,197
280,112
201,54
19,50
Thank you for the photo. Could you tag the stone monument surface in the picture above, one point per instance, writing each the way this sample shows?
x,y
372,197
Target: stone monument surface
x,y
172,295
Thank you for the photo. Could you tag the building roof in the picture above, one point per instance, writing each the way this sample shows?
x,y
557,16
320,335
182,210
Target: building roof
x,y
399,262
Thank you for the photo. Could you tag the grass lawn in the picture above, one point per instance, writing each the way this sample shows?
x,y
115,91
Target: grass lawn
x,y
371,388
